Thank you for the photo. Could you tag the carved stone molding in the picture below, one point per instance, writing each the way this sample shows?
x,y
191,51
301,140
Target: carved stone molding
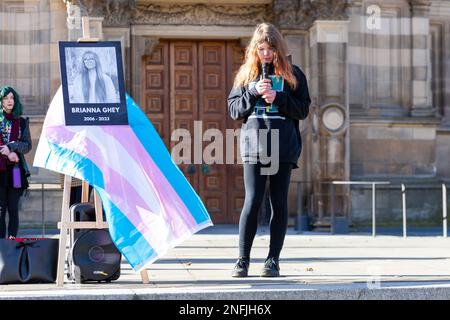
x,y
287,14
200,14
115,12
301,14
126,12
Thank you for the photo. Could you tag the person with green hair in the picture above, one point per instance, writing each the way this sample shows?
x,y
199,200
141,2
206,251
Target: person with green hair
x,y
15,141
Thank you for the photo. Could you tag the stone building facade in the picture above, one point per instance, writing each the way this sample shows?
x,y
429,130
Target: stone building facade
x,y
378,72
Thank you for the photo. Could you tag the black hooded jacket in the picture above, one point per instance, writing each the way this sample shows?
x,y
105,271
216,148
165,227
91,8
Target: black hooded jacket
x,y
289,107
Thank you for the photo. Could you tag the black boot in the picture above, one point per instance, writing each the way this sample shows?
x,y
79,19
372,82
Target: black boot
x,y
271,268
241,267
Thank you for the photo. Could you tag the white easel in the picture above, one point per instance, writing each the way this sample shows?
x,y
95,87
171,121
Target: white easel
x,y
66,223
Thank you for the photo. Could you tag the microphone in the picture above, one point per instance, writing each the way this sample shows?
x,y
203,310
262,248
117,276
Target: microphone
x,y
265,71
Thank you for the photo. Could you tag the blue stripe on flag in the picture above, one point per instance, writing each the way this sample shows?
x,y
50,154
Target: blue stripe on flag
x,y
154,145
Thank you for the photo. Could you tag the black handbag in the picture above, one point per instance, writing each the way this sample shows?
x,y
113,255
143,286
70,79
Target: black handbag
x,y
28,260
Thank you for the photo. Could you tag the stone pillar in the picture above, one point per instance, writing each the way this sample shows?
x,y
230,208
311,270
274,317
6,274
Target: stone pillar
x,y
421,80
141,46
329,91
446,69
298,45
440,57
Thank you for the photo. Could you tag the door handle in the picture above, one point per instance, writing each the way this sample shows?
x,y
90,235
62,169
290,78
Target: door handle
x,y
191,169
205,169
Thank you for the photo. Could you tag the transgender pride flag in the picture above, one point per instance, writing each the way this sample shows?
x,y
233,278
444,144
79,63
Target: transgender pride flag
x,y
150,206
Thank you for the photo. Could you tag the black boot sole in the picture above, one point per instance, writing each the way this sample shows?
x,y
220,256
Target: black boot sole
x,y
239,274
269,274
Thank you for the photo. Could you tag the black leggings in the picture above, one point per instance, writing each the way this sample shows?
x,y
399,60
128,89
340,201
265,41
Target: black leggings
x,y
254,196
9,201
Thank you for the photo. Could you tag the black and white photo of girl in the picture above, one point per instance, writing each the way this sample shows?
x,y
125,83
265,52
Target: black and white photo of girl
x,y
92,75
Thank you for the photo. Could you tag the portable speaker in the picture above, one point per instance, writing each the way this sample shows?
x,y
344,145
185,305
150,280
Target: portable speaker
x,y
93,256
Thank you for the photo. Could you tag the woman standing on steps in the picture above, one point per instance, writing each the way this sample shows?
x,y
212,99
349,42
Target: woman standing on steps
x,y
271,96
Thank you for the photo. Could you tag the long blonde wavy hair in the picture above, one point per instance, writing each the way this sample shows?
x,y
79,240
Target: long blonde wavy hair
x,y
265,32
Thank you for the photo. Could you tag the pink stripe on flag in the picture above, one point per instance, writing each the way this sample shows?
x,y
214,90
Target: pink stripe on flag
x,y
174,205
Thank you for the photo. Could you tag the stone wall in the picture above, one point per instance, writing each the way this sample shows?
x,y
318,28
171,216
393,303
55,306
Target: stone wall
x,y
29,35
28,46
392,149
423,205
397,106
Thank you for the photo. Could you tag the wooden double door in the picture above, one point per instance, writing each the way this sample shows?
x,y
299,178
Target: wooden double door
x,y
185,85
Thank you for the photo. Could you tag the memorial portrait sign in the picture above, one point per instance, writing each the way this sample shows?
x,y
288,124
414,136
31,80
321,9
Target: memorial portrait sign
x,y
92,83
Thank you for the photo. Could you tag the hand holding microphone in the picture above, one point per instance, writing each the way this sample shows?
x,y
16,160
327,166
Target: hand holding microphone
x,y
264,84
267,93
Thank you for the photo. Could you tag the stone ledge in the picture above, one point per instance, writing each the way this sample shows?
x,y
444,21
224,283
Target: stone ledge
x,y
394,121
401,291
